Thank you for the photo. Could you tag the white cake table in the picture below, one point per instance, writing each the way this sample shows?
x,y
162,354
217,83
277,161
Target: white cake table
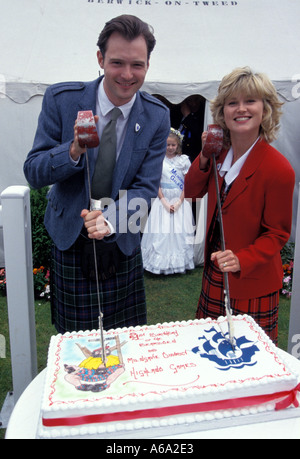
x,y
24,420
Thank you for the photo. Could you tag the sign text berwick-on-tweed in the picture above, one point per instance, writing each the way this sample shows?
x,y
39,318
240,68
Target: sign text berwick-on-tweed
x,y
167,2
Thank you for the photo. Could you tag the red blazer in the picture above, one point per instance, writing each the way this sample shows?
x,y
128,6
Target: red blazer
x,y
257,217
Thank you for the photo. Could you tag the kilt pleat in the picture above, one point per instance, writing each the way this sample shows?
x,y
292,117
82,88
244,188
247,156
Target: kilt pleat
x,y
74,299
263,310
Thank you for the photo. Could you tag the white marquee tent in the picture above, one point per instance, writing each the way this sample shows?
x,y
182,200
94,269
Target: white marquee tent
x,y
198,42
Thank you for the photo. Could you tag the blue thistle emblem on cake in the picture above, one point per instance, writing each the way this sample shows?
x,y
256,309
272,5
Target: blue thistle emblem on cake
x,y
216,347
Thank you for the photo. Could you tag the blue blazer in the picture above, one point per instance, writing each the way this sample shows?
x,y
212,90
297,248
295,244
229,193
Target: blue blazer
x,y
137,172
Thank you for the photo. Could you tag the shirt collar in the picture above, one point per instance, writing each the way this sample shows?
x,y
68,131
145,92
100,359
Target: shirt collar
x,y
106,106
231,172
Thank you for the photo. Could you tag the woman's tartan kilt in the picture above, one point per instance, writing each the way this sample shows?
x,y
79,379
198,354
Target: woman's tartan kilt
x,y
74,299
263,310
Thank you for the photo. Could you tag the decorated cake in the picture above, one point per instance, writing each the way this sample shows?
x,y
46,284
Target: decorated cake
x,y
162,379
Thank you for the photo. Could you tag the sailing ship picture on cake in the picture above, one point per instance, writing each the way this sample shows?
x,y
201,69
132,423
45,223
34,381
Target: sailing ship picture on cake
x,y
216,347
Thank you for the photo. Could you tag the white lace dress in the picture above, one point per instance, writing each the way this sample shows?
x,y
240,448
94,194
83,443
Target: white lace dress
x,y
168,239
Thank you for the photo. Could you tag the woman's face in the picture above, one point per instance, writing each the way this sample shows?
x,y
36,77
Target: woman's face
x,y
243,115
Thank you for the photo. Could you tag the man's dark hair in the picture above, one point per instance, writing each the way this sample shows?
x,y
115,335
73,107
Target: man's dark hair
x,y
130,27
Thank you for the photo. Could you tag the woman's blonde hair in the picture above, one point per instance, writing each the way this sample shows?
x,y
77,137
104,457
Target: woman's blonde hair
x,y
244,81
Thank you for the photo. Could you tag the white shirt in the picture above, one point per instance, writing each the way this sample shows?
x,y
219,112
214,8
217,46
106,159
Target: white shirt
x,y
232,171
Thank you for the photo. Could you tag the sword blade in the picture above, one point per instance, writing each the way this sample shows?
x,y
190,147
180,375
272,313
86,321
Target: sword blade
x,y
88,138
226,281
103,354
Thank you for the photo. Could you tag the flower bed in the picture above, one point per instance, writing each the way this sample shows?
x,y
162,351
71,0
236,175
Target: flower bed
x,y
41,282
2,282
287,283
287,255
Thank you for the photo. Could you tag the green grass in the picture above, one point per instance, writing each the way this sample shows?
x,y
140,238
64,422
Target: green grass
x,y
169,298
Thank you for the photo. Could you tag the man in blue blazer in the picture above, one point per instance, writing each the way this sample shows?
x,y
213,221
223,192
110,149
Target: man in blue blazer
x,y
56,159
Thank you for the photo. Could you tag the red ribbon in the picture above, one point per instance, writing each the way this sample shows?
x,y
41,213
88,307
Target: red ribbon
x,y
288,398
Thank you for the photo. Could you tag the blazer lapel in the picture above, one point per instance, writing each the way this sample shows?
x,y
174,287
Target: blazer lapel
x,y
237,188
89,96
241,183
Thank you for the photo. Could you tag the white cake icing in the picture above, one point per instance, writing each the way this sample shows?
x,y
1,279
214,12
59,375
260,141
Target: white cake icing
x,y
180,376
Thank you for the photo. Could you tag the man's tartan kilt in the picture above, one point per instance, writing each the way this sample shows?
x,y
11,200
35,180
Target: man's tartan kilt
x,y
74,299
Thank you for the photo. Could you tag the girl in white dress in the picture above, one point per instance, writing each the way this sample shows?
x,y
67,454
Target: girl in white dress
x,y
168,239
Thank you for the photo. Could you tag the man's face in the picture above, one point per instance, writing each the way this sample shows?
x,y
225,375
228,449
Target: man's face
x,y
125,66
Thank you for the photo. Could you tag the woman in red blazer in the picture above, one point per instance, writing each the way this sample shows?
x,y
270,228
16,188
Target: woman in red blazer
x,y
256,185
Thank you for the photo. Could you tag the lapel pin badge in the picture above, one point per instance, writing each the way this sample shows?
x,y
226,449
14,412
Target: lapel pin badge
x,y
137,127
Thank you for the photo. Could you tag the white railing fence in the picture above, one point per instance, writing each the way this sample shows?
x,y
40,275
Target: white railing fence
x,y
15,218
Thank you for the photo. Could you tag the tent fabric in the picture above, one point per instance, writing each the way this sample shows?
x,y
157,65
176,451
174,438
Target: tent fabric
x,y
197,40
21,93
